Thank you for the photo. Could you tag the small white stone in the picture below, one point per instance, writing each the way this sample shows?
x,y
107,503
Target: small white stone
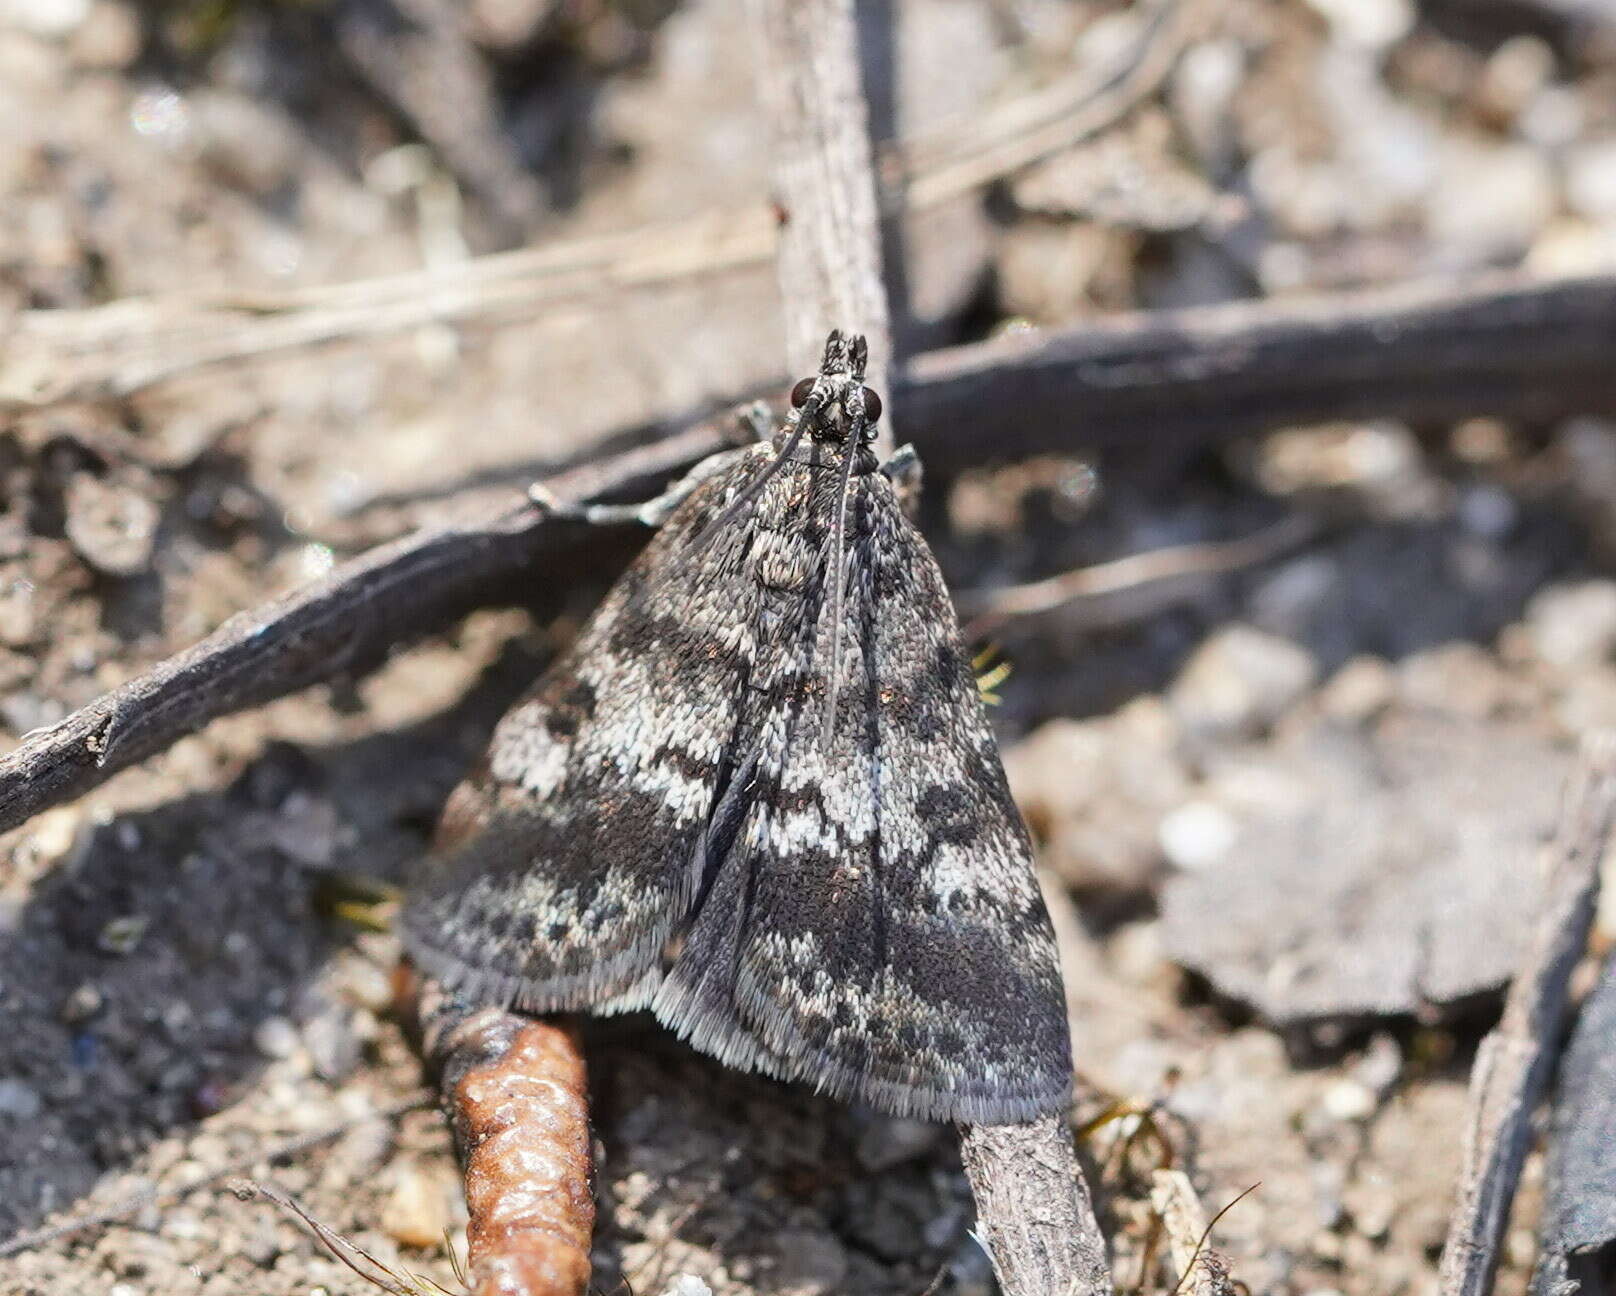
x,y
1516,72
52,19
1240,681
688,1285
18,1101
1361,689
1590,179
1208,77
1373,24
1348,1100
416,1213
275,1037
1573,625
1554,118
1197,835
1491,198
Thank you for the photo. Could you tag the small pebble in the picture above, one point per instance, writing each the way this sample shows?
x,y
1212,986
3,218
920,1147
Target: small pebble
x,y
52,19
1360,690
1348,1100
1590,179
1515,74
111,524
809,1263
275,1037
1573,625
1239,682
19,1102
122,935
1372,1207
334,1045
1208,78
1457,679
1381,1065
82,1004
110,37
417,1212
890,1141
1372,24
1197,835
688,1285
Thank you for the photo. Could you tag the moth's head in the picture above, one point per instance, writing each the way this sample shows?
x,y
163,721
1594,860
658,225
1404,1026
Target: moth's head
x,y
835,403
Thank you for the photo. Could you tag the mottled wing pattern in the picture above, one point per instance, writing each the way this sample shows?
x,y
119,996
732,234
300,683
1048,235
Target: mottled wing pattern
x,y
875,926
565,862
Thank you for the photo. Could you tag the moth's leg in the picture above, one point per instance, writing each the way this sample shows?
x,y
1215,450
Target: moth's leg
x,y
903,470
758,419
652,513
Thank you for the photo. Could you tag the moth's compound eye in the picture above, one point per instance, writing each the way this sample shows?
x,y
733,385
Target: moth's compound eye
x,y
800,393
872,406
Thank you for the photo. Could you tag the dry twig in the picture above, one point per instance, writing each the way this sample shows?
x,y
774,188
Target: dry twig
x,y
988,608
1515,1061
515,1091
345,619
113,351
1033,1210
375,1271
1510,346
161,1196
1202,1271
1033,1207
829,254
1017,134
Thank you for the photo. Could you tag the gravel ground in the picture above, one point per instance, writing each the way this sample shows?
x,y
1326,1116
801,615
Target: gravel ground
x,y
1288,816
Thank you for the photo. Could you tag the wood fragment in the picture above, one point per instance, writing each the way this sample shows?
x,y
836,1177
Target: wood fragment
x,y
828,259
1033,1207
1034,1213
419,59
1579,1201
1201,1270
1510,346
346,618
516,1094
988,608
112,351
1515,1061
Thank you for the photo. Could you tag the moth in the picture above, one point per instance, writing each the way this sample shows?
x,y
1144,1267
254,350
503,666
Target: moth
x,y
759,796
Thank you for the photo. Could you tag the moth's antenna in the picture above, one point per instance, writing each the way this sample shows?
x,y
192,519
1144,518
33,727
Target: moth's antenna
x,y
744,500
838,589
865,405
809,398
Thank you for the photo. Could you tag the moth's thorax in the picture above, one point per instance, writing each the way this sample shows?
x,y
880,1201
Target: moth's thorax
x,y
790,524
825,451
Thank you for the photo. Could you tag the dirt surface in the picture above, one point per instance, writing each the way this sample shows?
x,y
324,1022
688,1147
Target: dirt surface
x,y
1288,815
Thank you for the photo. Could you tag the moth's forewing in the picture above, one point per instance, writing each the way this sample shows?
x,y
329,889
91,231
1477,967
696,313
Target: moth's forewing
x,y
876,927
860,915
563,863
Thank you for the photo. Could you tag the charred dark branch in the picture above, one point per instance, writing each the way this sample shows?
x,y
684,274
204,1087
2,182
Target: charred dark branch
x,y
1515,1062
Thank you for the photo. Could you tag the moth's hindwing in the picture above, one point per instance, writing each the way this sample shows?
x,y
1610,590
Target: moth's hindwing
x,y
874,926
563,864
